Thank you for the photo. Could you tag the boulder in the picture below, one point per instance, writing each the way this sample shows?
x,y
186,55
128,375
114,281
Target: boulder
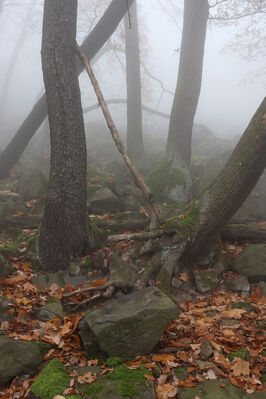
x,y
5,268
239,283
5,305
52,381
218,389
103,200
205,280
17,357
252,262
132,324
50,311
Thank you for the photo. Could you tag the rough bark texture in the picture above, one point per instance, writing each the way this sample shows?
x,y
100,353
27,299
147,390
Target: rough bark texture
x,y
189,81
135,147
64,231
102,31
230,189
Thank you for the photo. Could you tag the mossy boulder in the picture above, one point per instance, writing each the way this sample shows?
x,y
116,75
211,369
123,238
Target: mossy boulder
x,y
17,357
5,268
239,283
252,262
218,389
121,383
103,200
169,184
132,324
52,381
50,311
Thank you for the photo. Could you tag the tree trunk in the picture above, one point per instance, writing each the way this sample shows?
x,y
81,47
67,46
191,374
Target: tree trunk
x,y
189,82
102,31
135,147
218,203
64,230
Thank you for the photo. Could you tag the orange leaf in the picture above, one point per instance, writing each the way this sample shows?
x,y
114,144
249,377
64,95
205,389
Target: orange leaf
x,y
163,357
240,367
87,378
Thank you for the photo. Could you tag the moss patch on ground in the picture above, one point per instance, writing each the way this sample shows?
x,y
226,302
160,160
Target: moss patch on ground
x,y
162,179
52,381
129,382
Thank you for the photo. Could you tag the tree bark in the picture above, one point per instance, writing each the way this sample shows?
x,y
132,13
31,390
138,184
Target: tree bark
x,y
64,230
189,82
135,146
102,31
229,190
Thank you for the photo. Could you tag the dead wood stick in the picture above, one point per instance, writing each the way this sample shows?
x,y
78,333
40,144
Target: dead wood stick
x,y
137,236
88,300
91,288
138,178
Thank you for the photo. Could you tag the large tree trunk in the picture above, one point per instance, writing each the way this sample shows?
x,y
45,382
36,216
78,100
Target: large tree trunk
x,y
189,82
102,31
135,147
218,203
64,230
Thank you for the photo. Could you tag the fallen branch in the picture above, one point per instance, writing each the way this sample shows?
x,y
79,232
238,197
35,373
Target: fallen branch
x,y
91,288
139,180
135,236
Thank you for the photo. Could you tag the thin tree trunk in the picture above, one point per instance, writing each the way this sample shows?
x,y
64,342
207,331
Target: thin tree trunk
x,y
102,31
135,146
64,229
139,180
189,81
229,190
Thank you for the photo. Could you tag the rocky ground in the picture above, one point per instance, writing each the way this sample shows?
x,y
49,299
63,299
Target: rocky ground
x,y
111,326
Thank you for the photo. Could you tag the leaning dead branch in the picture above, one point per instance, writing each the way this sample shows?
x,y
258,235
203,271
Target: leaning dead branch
x,y
139,180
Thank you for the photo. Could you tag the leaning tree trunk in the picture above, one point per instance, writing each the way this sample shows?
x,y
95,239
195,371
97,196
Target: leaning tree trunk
x,y
135,147
64,230
189,82
102,31
218,203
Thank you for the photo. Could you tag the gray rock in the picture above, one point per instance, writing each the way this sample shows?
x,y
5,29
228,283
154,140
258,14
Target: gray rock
x,y
205,280
5,305
132,324
262,284
104,200
122,271
5,268
223,263
50,311
212,390
237,284
61,278
17,357
252,262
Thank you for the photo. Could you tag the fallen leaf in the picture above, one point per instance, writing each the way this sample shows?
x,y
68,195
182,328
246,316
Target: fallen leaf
x,y
210,375
149,377
240,367
166,391
87,378
163,357
234,313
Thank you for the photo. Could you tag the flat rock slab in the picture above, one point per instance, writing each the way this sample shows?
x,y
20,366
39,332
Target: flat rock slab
x,y
17,357
213,390
252,262
132,324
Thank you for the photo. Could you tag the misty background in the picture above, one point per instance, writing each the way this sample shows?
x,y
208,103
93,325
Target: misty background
x,y
232,88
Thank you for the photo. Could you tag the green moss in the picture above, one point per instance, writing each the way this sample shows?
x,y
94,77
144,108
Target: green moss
x,y
92,390
115,361
185,223
74,397
96,174
242,305
181,373
52,381
263,378
128,382
98,235
242,353
162,179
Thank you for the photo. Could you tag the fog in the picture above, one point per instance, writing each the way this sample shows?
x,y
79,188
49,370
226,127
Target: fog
x,y
226,103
